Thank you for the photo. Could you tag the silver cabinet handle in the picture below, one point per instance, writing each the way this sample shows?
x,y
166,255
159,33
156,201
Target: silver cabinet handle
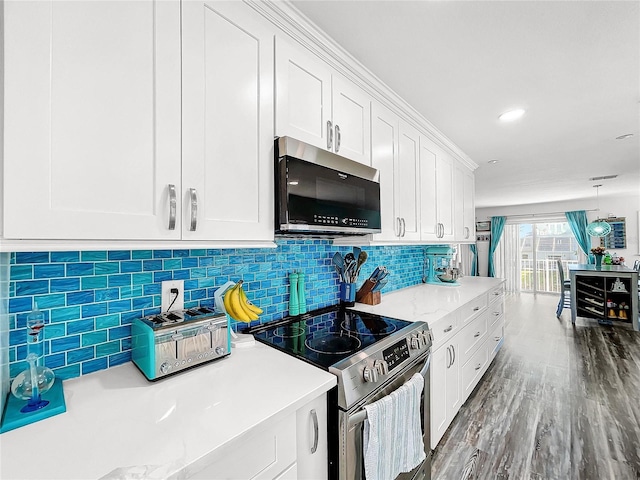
x,y
316,431
448,356
476,309
193,194
329,135
172,207
448,329
476,335
467,231
440,230
479,366
404,227
399,224
497,339
453,351
338,136
496,314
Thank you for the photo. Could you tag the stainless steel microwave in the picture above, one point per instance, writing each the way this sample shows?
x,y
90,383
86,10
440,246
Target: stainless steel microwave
x,y
320,193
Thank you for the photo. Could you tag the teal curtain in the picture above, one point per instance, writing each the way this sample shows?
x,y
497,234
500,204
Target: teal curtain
x,y
474,261
497,226
578,223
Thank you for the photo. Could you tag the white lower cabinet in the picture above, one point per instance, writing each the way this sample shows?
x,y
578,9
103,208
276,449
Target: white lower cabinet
x,y
311,440
465,343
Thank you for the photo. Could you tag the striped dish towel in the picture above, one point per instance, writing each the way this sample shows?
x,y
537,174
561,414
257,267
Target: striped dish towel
x,y
392,432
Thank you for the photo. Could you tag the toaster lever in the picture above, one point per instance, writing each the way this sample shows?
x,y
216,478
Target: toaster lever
x,y
177,336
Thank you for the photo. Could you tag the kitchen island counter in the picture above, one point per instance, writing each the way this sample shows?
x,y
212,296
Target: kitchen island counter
x,y
429,303
119,425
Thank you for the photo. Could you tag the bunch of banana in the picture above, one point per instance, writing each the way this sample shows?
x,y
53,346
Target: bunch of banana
x,y
238,305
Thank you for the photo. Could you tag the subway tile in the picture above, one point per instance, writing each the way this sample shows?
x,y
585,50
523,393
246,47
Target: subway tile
x,y
31,287
79,269
107,268
94,309
141,278
119,255
65,284
17,337
21,272
119,306
172,264
130,291
55,361
162,276
118,333
132,266
65,314
80,355
32,257
50,270
106,349
94,282
107,321
152,289
66,373
50,301
64,344
120,280
181,253
205,261
151,265
80,326
94,256
197,252
142,302
181,274
107,294
127,317
141,254
162,254
189,262
94,365
119,358
65,257
54,330
78,298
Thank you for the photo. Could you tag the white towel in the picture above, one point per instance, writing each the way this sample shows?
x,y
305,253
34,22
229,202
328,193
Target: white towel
x,y
392,432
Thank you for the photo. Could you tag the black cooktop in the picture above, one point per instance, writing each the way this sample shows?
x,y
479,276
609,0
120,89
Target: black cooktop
x,y
326,336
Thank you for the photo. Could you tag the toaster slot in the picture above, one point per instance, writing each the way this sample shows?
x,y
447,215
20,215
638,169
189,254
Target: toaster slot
x,y
166,348
194,342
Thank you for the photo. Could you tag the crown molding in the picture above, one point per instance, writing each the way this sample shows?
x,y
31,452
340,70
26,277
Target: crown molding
x,y
299,28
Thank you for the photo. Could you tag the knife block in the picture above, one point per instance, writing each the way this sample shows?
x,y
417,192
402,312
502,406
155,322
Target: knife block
x,y
371,298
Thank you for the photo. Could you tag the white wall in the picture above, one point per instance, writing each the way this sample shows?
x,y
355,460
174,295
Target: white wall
x,y
610,206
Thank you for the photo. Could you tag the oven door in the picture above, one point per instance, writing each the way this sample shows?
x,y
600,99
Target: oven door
x,y
351,427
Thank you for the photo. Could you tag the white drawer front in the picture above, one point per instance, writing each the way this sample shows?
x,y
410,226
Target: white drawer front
x,y
472,309
444,329
495,339
473,370
496,311
472,336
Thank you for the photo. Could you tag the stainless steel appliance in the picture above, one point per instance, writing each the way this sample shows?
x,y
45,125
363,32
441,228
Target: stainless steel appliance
x,y
372,356
318,192
171,342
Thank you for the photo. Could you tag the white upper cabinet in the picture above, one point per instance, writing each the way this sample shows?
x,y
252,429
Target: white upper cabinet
x,y
395,153
122,123
227,118
464,204
318,106
92,120
436,190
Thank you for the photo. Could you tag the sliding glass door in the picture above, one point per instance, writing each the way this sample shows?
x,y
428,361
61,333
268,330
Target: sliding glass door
x,y
541,245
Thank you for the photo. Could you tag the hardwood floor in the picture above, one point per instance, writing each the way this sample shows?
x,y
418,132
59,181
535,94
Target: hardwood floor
x,y
559,402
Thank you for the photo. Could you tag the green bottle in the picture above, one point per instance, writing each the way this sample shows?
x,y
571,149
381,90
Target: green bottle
x,y
302,301
294,303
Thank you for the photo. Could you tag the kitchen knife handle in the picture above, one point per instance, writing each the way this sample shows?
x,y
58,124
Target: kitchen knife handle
x,y
172,207
316,431
193,194
337,138
329,135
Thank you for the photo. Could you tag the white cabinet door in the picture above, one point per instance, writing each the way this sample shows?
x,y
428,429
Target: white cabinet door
x,y
303,96
92,119
227,113
458,202
311,440
469,209
318,106
446,397
429,223
445,191
407,185
384,157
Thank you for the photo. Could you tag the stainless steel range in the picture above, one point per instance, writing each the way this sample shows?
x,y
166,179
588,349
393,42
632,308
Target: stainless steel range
x,y
372,356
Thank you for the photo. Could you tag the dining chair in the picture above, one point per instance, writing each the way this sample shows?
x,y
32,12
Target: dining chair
x,y
565,290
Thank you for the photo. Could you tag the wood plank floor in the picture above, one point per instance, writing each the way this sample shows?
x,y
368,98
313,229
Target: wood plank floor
x,y
559,402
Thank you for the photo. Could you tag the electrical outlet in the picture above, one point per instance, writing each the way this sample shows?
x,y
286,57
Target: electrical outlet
x,y
167,296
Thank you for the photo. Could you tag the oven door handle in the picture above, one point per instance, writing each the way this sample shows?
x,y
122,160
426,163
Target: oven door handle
x,y
361,416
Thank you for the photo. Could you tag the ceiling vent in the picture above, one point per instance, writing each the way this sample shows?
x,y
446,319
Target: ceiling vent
x,y
604,177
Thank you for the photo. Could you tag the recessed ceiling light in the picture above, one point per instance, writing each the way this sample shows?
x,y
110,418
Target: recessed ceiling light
x,y
626,135
492,162
511,115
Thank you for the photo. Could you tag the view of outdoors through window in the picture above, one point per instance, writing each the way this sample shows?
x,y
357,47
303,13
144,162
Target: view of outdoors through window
x,y
541,246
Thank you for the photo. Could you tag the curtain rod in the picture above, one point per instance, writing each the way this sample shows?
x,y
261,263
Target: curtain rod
x,y
543,214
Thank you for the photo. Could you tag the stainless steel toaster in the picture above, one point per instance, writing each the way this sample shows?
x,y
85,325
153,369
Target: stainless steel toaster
x,y
165,344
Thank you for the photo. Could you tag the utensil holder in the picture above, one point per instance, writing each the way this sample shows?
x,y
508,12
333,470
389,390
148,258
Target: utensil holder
x,y
371,298
348,293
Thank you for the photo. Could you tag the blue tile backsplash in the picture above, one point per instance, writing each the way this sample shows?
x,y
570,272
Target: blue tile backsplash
x,y
89,298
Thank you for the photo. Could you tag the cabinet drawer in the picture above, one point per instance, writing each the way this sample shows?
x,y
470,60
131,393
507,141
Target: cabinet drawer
x,y
495,339
472,309
444,329
495,294
495,313
473,370
472,336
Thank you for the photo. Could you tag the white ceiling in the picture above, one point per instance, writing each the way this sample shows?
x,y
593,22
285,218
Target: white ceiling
x,y
573,65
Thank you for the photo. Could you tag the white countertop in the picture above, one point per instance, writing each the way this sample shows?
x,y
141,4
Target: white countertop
x,y
119,425
430,303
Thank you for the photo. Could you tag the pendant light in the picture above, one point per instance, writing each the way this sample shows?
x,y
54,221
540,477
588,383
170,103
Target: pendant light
x,y
598,228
